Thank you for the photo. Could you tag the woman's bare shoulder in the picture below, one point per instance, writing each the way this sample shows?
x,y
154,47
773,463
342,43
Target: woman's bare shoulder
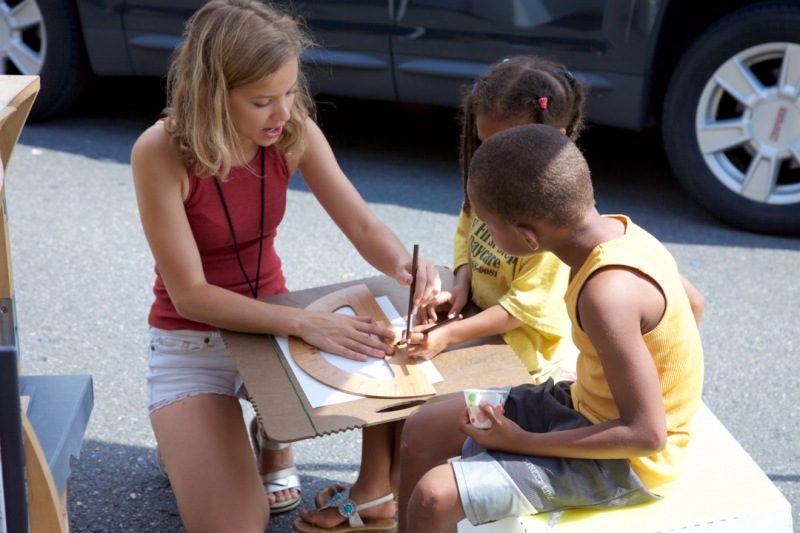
x,y
156,162
153,138
154,146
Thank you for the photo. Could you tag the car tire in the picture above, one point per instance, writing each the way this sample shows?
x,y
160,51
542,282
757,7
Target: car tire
x,y
45,39
731,119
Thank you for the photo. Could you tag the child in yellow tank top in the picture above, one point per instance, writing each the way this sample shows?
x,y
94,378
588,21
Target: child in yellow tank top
x,y
616,435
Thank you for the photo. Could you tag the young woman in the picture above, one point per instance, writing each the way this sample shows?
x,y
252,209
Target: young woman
x,y
211,180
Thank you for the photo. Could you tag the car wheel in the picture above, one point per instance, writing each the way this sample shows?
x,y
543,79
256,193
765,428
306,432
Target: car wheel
x,y
43,37
731,119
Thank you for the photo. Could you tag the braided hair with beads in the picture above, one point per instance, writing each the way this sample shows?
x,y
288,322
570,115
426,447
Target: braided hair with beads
x,y
527,89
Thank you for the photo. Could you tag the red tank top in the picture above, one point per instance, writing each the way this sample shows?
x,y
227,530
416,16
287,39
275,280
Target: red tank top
x,y
212,233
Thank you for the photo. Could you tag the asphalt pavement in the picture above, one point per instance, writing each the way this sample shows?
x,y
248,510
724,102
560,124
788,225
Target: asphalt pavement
x,y
83,276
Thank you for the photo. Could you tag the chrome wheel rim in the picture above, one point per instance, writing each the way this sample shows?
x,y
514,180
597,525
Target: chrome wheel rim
x,y
748,123
23,41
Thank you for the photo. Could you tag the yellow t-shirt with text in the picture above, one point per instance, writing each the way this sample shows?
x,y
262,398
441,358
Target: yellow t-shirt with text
x,y
530,288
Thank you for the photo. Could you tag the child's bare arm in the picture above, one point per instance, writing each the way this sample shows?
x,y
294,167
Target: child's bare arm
x,y
491,321
696,299
616,306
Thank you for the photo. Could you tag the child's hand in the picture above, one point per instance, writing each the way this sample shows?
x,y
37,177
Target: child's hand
x,y
481,417
459,297
460,290
501,436
427,345
450,302
429,313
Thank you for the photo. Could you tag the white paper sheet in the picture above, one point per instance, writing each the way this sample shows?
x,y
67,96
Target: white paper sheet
x,y
319,394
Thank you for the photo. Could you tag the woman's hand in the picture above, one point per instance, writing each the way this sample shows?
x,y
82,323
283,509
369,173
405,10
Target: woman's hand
x,y
428,283
353,337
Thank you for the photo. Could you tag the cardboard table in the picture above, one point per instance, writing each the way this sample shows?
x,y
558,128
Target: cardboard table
x,y
286,412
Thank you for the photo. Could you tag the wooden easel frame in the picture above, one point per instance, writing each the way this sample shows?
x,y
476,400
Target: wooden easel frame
x,y
40,507
17,94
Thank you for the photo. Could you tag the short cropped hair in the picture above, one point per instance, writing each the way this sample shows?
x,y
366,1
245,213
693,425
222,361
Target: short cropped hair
x,y
531,173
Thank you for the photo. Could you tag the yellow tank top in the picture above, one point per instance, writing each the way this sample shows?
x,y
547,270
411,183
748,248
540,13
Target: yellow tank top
x,y
674,344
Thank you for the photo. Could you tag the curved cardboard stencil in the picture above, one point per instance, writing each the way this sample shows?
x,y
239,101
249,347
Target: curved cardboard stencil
x,y
408,381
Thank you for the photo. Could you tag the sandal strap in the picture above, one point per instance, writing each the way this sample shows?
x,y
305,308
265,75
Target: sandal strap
x,y
377,501
349,509
281,480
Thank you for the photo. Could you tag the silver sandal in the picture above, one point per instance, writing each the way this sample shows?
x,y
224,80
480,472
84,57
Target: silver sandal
x,y
349,509
288,478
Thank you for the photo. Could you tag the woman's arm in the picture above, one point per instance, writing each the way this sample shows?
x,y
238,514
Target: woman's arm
x,y
376,243
160,182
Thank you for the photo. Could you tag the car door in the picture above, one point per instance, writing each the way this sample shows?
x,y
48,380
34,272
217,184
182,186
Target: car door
x,y
153,30
438,45
354,38
353,57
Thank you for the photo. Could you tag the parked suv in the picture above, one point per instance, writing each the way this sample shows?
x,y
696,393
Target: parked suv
x,y
721,79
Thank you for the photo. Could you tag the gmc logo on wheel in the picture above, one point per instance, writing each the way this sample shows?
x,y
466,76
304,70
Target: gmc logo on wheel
x,y
776,128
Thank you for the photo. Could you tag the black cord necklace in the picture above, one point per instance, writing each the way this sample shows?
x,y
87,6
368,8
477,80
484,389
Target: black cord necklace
x,y
253,290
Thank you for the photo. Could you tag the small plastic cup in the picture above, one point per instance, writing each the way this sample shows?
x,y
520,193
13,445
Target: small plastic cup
x,y
477,398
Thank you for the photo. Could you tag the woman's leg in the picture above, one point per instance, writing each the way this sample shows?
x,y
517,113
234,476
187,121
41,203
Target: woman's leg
x,y
275,460
205,446
431,436
378,469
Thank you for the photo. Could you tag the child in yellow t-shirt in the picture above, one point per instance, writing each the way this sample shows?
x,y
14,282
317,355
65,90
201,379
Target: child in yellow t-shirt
x,y
521,298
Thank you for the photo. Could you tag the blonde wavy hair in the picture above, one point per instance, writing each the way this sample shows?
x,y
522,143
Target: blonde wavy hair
x,y
228,44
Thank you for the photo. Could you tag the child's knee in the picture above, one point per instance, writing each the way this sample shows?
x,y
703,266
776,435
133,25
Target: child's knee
x,y
436,494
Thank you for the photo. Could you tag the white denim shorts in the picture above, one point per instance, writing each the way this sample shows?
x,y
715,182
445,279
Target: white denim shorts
x,y
184,363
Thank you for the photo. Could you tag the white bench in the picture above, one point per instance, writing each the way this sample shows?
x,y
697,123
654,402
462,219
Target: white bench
x,y
722,490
